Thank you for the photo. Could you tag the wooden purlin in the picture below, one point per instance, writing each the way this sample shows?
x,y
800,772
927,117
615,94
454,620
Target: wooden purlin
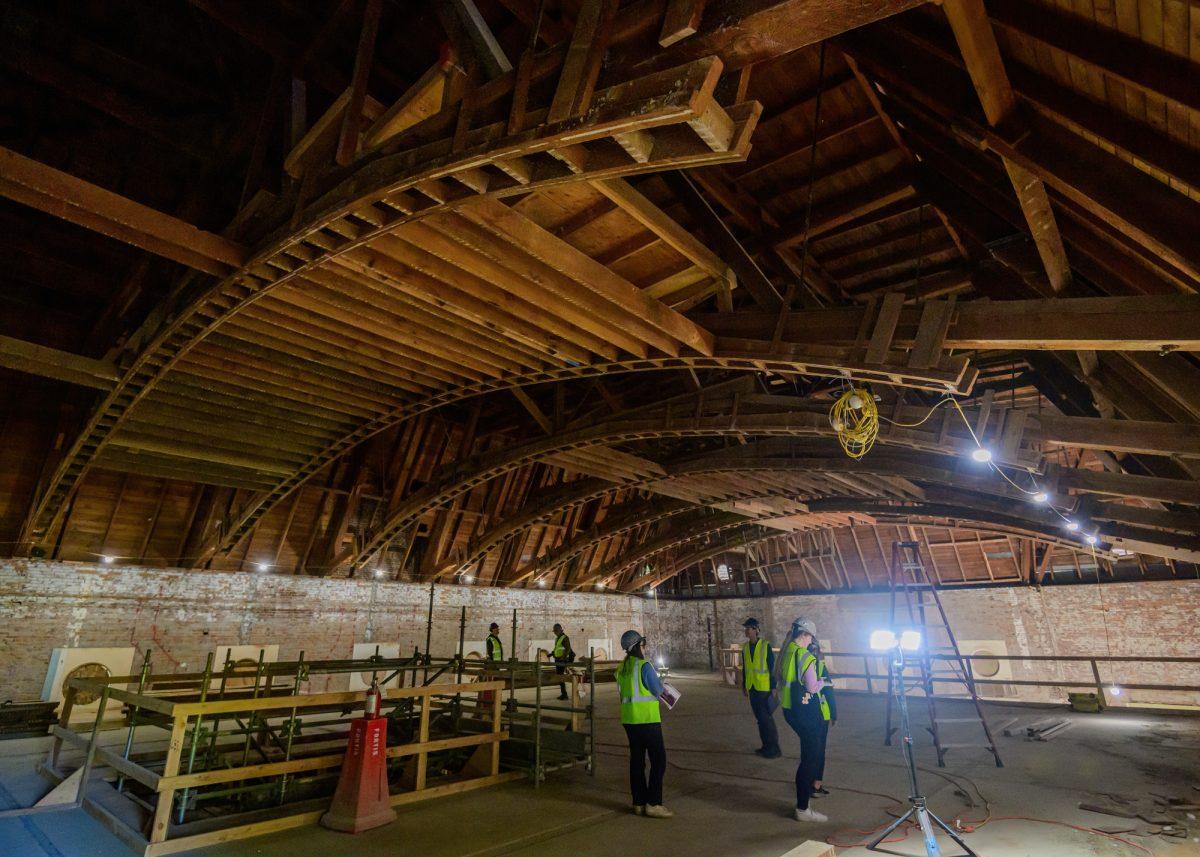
x,y
393,187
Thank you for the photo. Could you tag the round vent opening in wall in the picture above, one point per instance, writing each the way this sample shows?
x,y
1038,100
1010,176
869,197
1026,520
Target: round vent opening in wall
x,y
985,664
88,670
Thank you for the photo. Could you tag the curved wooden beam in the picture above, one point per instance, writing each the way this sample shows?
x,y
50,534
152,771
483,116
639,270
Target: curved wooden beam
x,y
731,423
950,374
436,166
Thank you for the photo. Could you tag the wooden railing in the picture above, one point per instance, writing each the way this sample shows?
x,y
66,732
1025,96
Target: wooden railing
x,y
185,716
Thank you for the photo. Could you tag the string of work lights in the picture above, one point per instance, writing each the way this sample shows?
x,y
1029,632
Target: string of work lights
x,y
856,418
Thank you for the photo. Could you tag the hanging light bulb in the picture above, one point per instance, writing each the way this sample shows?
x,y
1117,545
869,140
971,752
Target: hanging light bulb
x,y
1041,497
981,454
1072,524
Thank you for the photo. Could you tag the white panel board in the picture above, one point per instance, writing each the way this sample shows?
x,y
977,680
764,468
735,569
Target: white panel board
x,y
604,649
97,661
362,680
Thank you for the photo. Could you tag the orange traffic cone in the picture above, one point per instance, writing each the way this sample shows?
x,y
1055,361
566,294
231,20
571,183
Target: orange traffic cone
x,y
361,800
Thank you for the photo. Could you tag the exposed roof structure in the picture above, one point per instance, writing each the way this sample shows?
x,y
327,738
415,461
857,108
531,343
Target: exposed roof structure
x,y
561,292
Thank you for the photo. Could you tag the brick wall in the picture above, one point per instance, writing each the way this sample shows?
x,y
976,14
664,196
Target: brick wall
x,y
181,616
1122,619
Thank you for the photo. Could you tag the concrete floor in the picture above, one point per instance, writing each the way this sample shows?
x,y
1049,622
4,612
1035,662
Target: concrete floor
x,y
728,801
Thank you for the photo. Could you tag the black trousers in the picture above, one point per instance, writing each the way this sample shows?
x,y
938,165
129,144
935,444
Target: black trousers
x,y
820,775
760,704
807,723
646,739
560,667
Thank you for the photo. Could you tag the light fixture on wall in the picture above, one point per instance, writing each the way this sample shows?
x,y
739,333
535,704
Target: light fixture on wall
x,y
262,566
468,578
379,572
108,560
600,585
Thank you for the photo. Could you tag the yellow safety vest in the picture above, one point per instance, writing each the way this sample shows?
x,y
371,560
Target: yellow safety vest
x,y
754,666
638,705
795,665
559,651
823,676
497,648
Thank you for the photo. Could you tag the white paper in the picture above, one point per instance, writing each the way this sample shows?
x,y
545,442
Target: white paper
x,y
670,695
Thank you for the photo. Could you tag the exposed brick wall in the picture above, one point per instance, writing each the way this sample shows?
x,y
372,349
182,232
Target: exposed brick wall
x,y
181,616
1122,619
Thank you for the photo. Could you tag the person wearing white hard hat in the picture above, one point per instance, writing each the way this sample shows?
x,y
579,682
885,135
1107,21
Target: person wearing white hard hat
x,y
640,688
798,678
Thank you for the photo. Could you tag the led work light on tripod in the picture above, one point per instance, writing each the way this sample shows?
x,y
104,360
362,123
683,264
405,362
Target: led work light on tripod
x,y
896,645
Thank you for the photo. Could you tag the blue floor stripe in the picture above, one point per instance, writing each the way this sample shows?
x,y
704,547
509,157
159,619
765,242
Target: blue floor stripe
x,y
7,801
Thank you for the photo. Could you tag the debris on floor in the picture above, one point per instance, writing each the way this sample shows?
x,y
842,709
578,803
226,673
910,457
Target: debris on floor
x,y
1162,814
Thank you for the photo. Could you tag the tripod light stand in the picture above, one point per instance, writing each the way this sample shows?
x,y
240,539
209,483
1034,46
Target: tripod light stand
x,y
896,647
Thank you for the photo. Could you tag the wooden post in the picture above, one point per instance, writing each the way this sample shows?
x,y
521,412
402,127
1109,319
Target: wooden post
x,y
423,738
162,809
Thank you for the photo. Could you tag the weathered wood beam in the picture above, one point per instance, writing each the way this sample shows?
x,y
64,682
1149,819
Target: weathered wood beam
x,y
682,19
1142,323
1139,436
741,32
487,49
981,54
57,193
60,365
348,136
1124,199
581,69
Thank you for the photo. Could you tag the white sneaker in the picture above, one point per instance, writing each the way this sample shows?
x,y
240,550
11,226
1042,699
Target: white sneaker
x,y
639,809
653,811
811,815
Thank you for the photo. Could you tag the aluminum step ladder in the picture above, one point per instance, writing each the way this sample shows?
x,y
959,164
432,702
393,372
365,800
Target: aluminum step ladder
x,y
939,660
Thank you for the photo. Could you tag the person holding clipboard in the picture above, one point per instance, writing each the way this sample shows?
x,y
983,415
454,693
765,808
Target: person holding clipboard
x,y
641,690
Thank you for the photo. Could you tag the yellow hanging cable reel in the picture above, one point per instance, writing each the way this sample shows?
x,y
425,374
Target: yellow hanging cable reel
x,y
856,420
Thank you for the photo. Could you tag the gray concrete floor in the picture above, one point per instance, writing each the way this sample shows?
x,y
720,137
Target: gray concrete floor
x,y
727,801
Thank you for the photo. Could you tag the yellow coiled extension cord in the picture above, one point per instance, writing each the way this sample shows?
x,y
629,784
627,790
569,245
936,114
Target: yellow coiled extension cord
x,y
856,420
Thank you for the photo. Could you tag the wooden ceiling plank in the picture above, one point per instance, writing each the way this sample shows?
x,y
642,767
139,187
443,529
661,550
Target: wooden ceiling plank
x,y
589,273
444,237
1133,61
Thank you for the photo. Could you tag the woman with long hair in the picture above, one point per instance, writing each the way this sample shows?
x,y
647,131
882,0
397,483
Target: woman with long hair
x,y
640,688
797,674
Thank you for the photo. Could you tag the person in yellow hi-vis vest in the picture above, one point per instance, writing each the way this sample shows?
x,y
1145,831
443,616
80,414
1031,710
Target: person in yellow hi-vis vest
x,y
563,654
758,683
640,687
803,709
495,648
